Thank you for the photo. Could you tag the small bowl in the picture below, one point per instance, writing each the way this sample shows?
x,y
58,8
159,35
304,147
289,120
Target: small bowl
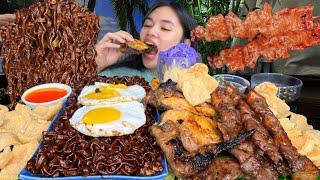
x,y
237,81
289,87
45,86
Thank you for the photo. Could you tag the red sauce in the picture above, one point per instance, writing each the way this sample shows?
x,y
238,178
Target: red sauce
x,y
45,95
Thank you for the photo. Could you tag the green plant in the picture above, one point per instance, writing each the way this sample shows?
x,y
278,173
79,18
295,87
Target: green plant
x,y
202,10
124,11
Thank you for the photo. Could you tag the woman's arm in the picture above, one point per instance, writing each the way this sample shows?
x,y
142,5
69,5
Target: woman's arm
x,y
109,49
5,19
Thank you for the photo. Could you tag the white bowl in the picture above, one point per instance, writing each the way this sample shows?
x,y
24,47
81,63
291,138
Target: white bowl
x,y
48,85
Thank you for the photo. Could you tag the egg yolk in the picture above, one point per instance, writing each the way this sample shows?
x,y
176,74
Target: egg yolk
x,y
101,115
105,92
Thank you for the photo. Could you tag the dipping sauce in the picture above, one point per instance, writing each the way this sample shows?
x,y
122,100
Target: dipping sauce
x,y
45,95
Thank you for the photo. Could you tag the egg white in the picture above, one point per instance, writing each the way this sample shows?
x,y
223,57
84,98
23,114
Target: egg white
x,y
132,93
132,117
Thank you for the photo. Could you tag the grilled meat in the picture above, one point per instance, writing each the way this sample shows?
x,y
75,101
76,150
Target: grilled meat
x,y
182,162
262,139
167,96
195,131
300,165
221,168
225,100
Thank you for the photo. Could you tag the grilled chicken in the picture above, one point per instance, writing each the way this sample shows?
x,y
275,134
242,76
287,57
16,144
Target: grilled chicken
x,y
182,162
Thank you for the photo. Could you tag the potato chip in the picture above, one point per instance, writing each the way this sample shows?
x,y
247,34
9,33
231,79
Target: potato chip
x,y
266,89
5,157
313,134
3,109
8,139
300,120
11,171
199,67
278,107
195,92
307,147
314,154
298,141
16,121
287,124
47,112
33,131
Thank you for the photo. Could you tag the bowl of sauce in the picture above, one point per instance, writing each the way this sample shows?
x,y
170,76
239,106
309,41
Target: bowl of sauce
x,y
46,94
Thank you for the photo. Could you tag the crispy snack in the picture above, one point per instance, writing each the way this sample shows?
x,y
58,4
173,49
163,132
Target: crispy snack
x,y
3,112
197,85
195,131
8,139
5,156
20,155
269,91
47,112
303,136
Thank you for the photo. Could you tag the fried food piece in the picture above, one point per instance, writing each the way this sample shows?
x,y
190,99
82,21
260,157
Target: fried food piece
x,y
5,157
195,131
8,139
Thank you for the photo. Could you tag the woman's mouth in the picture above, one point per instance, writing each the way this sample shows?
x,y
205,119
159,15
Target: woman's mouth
x,y
152,51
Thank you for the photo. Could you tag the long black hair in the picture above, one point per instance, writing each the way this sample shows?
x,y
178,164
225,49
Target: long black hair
x,y
186,20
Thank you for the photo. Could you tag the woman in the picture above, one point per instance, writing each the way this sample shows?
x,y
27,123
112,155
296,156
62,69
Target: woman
x,y
165,25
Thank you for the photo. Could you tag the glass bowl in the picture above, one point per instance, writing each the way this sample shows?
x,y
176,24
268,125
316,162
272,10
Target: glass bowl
x,y
171,66
237,81
289,87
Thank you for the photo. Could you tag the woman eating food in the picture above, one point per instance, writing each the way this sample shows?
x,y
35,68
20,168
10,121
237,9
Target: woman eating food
x,y
165,25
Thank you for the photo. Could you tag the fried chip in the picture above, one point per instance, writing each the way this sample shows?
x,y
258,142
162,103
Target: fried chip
x,y
197,87
307,147
314,154
198,67
267,88
5,157
16,121
33,131
173,73
3,112
300,120
11,171
298,141
287,124
8,139
3,109
21,154
47,112
278,107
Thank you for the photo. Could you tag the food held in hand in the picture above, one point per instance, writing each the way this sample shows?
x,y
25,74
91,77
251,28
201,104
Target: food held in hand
x,y
104,93
105,121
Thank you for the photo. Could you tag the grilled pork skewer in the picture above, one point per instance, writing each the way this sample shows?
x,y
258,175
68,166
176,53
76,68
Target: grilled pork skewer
x,y
238,57
183,163
225,99
258,22
262,139
301,166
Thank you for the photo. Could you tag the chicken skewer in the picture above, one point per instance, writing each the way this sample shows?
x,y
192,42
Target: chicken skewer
x,y
301,166
252,163
258,22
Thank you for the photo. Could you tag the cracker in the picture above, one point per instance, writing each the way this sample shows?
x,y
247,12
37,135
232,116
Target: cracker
x,y
267,88
5,157
8,139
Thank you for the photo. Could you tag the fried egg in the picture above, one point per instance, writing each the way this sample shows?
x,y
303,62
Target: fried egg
x,y
109,120
103,93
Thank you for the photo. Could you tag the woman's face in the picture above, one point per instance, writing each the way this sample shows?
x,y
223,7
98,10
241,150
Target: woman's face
x,y
163,29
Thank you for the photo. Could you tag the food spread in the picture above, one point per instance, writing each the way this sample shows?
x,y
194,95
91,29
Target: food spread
x,y
206,130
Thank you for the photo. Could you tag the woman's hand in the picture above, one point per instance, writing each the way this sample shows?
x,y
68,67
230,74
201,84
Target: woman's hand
x,y
109,48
